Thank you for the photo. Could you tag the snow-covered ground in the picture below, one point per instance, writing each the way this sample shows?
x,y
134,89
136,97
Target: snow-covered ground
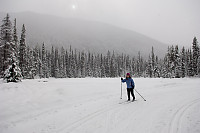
x,y
92,106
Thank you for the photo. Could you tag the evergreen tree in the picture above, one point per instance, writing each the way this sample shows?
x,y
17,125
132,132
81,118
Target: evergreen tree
x,y
113,68
153,61
75,66
63,63
195,49
48,61
107,64
172,61
15,40
198,66
30,63
36,62
183,62
157,71
149,67
56,64
13,73
138,65
167,62
6,45
133,66
67,64
102,67
15,44
82,65
190,64
165,68
44,63
22,52
177,62
52,60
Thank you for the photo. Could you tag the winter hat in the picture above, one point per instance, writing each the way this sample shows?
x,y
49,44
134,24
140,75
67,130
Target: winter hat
x,y
128,74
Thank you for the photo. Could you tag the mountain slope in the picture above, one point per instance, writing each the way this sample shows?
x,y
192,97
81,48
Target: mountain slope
x,y
83,35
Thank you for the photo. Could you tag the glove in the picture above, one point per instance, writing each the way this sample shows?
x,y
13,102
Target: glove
x,y
122,79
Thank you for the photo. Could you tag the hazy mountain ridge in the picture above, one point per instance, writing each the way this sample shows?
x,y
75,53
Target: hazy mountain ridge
x,y
83,35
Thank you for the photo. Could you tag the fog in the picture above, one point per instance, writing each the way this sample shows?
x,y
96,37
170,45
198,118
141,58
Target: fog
x,y
171,21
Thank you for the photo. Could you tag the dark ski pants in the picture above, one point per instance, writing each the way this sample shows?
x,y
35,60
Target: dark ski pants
x,y
130,91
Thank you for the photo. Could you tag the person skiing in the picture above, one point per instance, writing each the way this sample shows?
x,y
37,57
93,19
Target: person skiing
x,y
130,86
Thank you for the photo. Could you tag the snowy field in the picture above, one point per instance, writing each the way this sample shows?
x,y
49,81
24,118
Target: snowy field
x,y
92,106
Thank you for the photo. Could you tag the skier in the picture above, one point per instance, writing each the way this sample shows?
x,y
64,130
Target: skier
x,y
130,86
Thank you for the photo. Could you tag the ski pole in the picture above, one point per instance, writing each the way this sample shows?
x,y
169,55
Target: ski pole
x,y
121,90
140,95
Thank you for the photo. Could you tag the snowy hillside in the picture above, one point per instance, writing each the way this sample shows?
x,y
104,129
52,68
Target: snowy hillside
x,y
92,106
83,35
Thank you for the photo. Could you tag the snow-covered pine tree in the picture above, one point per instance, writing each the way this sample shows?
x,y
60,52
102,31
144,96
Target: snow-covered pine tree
x,y
72,64
95,67
13,73
153,60
102,67
67,64
182,74
149,67
8,53
82,65
127,63
79,64
36,62
133,65
142,67
165,67
113,68
40,63
190,64
195,49
56,70
98,65
15,40
198,66
138,65
30,63
48,61
63,63
186,62
52,60
157,70
75,64
172,61
44,69
107,64
177,63
6,44
22,52
168,63
92,65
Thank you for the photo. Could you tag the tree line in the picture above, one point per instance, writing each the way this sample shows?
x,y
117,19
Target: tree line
x,y
18,60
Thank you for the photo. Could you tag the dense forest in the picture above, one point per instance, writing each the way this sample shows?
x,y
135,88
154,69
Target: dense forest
x,y
19,60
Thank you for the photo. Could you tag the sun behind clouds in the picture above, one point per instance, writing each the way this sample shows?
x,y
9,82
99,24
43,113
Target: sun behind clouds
x,y
73,7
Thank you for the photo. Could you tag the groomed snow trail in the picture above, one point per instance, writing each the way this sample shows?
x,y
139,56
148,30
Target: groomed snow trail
x,y
92,106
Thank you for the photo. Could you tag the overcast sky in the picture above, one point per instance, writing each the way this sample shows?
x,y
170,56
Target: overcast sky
x,y
169,21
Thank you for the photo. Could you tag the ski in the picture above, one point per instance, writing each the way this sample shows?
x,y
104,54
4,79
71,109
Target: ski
x,y
127,102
